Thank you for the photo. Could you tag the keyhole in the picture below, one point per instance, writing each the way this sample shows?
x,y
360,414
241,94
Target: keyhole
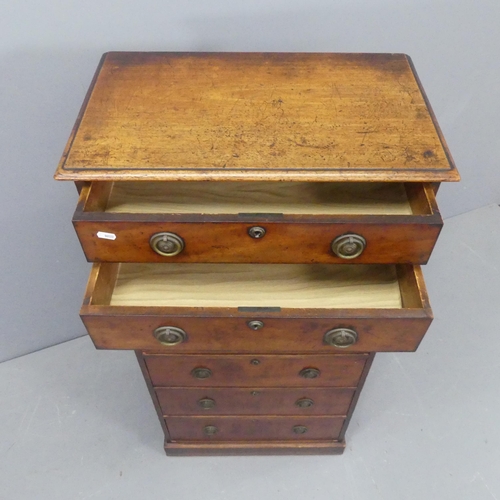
x,y
257,232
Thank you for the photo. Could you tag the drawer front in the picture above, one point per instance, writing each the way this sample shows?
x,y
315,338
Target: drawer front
x,y
253,428
256,308
284,242
255,371
254,401
229,334
285,222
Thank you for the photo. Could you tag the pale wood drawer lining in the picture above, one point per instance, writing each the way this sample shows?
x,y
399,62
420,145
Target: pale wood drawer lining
x,y
259,197
253,285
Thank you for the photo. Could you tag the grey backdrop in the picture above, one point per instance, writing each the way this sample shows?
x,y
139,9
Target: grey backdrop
x,y
48,53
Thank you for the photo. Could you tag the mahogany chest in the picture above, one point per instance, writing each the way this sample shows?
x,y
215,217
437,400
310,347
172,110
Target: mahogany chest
x,y
257,223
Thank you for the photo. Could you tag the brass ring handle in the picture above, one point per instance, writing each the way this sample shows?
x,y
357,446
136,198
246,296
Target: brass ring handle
x,y
210,430
169,335
341,337
304,403
348,246
206,403
309,373
299,429
201,372
167,244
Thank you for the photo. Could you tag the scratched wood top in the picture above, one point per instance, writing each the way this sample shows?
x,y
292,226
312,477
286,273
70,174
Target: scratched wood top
x,y
256,116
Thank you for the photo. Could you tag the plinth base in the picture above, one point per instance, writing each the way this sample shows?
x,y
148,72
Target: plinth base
x,y
255,448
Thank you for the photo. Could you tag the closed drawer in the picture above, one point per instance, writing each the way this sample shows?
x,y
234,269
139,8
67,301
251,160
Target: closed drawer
x,y
254,371
266,308
254,401
253,428
257,222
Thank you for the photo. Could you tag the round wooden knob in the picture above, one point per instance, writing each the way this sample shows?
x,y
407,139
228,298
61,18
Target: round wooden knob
x,y
348,246
167,244
169,335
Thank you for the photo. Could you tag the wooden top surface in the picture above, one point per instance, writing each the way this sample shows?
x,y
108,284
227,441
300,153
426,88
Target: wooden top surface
x,y
256,116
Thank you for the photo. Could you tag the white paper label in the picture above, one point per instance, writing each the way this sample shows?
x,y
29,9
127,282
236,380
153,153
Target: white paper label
x,y
106,236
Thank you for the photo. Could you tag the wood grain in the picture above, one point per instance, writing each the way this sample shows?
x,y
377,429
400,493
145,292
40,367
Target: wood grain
x,y
225,329
388,241
357,394
253,428
152,393
290,331
254,401
311,198
290,237
237,370
254,116
266,447
357,149
251,285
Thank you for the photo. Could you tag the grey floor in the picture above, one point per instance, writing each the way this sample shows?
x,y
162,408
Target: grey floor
x,y
78,423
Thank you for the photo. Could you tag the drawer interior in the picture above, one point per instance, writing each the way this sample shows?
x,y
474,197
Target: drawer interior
x,y
296,286
317,198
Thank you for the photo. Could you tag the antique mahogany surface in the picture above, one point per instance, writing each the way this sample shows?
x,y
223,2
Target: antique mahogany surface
x,y
255,401
400,222
237,370
256,116
229,428
386,305
234,333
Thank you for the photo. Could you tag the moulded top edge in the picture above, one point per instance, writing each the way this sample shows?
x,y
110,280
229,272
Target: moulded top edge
x,y
256,116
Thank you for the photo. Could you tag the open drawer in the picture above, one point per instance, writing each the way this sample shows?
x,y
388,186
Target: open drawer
x,y
259,308
257,222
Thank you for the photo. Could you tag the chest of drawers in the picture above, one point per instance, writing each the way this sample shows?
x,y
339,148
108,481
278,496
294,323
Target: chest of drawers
x,y
257,224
